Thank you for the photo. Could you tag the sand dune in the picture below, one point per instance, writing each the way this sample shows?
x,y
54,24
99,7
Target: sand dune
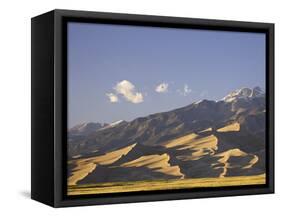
x,y
206,130
199,146
181,141
252,162
193,142
87,165
81,170
76,156
159,163
191,147
113,156
230,128
227,155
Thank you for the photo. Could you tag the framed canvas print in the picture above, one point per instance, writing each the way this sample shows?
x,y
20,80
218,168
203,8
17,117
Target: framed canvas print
x,y
130,108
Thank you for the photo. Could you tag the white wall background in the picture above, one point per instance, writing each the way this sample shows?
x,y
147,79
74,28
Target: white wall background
x,y
15,106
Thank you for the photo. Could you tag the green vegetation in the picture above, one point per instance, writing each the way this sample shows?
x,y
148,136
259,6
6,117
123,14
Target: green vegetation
x,y
164,184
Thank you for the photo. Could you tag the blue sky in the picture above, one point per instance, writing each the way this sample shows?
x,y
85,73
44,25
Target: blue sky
x,y
119,72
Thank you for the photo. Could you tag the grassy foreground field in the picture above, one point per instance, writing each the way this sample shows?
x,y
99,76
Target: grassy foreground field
x,y
165,184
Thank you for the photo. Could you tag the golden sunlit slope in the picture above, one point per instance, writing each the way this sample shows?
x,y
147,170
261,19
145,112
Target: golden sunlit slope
x,y
191,147
159,163
87,165
198,145
181,141
226,156
230,128
113,156
206,130
82,169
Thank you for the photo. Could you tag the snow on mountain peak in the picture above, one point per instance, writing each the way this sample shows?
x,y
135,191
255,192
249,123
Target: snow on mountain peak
x,y
244,93
115,123
112,124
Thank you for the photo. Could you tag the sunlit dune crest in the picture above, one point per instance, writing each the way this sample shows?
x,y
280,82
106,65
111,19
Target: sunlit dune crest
x,y
80,172
87,165
200,146
181,141
197,154
76,156
206,130
207,142
194,142
159,163
252,162
113,156
225,156
229,128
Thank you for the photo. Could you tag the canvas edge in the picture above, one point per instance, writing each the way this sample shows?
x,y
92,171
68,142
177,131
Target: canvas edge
x,y
42,95
59,199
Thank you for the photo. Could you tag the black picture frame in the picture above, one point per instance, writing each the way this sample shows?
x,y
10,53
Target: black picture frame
x,y
49,107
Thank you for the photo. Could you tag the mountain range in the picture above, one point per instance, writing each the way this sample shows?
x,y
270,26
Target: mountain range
x,y
203,139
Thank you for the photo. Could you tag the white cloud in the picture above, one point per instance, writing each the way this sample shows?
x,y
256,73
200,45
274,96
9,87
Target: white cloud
x,y
186,90
128,91
162,88
112,97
